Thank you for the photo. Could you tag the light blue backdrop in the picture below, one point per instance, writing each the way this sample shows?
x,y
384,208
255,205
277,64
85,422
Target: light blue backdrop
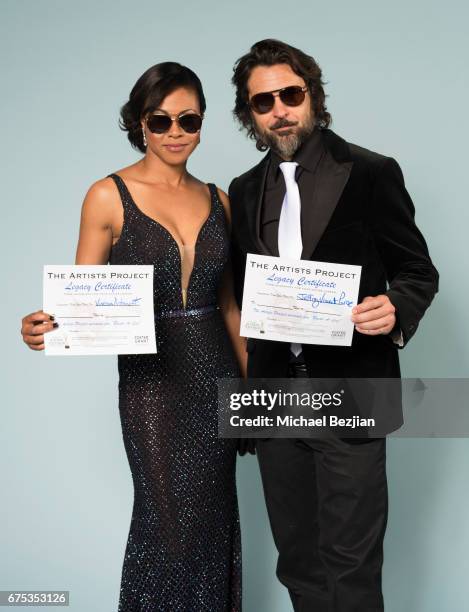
x,y
396,75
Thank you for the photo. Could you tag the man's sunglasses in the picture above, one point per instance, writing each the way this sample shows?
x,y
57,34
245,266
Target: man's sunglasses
x,y
264,102
159,124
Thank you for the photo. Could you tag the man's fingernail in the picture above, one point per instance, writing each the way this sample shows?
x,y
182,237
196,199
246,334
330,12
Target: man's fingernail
x,y
55,324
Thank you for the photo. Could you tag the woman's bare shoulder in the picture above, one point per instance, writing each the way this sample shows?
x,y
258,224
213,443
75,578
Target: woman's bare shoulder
x,y
102,188
102,201
106,187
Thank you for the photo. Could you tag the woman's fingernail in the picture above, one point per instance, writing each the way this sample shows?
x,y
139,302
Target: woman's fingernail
x,y
51,317
55,325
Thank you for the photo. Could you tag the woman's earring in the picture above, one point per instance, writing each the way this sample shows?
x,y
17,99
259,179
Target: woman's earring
x,y
144,137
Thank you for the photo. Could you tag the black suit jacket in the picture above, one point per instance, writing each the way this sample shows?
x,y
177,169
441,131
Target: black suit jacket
x,y
360,214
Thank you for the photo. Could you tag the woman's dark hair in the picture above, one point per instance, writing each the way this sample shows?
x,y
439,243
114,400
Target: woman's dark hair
x,y
268,53
148,93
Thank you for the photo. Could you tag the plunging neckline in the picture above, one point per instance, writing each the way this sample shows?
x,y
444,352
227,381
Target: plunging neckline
x,y
174,241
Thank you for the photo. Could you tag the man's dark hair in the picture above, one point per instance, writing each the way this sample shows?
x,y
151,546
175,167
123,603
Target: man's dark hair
x,y
148,93
269,52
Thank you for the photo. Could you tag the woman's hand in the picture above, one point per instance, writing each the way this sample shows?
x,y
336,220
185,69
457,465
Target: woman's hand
x,y
33,328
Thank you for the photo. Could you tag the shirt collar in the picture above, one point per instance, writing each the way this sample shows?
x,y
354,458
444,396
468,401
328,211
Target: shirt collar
x,y
307,156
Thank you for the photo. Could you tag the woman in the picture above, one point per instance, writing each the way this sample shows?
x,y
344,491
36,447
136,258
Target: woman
x,y
183,550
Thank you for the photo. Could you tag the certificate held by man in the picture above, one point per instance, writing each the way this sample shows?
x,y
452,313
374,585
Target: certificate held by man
x,y
100,310
301,301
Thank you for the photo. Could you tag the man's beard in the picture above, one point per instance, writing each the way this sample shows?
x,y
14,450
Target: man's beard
x,y
288,143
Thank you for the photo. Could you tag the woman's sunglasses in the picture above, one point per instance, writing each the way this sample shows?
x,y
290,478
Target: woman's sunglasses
x,y
159,124
264,102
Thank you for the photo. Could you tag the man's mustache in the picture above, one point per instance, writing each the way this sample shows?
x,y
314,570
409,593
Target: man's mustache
x,y
283,123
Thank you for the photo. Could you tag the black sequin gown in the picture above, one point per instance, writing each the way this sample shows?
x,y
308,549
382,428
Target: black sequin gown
x,y
183,550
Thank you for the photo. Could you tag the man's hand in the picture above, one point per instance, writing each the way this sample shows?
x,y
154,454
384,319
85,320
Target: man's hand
x,y
375,315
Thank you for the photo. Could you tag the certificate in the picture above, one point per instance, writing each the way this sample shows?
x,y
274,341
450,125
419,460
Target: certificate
x,y
307,302
101,310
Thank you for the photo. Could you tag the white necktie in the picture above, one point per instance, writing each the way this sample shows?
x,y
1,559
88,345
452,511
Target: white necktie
x,y
289,227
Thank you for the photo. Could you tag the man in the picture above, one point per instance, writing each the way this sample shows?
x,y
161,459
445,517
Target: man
x,y
326,497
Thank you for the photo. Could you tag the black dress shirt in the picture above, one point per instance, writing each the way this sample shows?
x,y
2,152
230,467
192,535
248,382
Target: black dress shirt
x,y
308,157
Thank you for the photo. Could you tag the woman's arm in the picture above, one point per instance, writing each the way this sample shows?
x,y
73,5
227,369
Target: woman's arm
x,y
100,212
228,305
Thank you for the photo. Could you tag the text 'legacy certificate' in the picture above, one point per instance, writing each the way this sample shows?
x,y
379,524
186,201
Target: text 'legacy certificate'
x,y
101,310
307,302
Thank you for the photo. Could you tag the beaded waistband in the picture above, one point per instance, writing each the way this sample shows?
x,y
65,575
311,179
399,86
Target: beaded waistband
x,y
185,313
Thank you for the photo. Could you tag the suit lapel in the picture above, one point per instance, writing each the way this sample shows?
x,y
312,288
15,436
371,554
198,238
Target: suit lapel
x,y
253,194
332,176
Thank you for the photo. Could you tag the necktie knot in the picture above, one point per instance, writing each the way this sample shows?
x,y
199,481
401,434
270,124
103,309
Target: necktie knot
x,y
288,170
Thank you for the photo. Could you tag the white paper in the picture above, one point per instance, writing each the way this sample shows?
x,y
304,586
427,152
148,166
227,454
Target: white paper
x,y
101,310
308,302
